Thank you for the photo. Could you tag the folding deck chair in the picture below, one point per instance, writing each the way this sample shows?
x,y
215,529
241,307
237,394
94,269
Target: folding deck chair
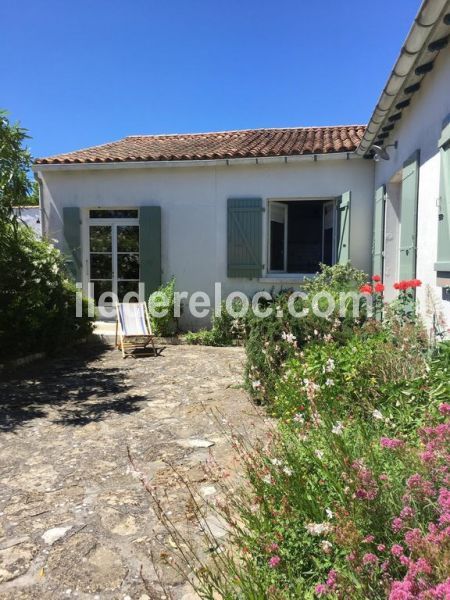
x,y
133,329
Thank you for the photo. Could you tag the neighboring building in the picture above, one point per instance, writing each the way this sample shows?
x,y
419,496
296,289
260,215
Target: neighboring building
x,y
259,209
31,216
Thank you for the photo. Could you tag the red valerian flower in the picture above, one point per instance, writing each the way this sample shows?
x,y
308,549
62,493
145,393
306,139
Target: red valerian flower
x,y
366,289
379,288
376,278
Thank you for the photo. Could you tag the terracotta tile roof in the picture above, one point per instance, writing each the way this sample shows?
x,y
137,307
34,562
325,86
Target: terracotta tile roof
x,y
226,144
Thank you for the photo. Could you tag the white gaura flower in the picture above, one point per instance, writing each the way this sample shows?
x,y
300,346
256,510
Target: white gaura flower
x,y
338,428
329,382
319,454
329,366
298,418
267,479
329,513
256,384
276,462
287,471
318,528
377,415
326,546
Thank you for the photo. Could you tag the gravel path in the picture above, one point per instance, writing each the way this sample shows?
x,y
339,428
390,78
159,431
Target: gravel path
x,y
74,521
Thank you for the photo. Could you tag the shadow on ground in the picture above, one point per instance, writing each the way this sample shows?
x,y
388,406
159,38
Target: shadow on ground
x,y
73,390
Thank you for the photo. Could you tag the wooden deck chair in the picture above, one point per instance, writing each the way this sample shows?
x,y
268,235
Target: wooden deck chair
x,y
133,329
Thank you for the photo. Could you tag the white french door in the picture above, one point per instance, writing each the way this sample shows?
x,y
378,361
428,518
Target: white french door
x,y
113,261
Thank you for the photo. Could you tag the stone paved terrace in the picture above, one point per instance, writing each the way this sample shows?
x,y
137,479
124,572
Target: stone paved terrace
x,y
74,521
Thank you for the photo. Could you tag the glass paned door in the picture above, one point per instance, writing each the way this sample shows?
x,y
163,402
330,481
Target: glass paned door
x,y
101,260
113,261
127,259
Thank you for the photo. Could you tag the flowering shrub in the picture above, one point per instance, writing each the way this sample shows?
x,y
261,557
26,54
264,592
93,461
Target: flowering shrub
x,y
350,496
271,341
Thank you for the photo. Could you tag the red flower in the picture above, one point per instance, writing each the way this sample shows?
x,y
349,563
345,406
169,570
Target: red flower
x,y
376,278
396,286
366,289
379,288
416,283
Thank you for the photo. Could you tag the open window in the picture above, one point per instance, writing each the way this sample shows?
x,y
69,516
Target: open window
x,y
301,234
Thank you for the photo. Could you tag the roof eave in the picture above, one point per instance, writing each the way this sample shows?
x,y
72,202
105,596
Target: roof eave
x,y
262,160
428,26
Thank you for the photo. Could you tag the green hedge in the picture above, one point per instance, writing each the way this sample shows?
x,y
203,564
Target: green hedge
x,y
37,300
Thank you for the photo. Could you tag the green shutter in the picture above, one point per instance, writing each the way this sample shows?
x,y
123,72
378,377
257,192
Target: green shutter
x,y
408,217
72,239
343,240
443,253
245,237
150,247
378,232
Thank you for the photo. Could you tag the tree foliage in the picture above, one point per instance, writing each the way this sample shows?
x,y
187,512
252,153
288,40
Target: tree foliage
x,y
15,161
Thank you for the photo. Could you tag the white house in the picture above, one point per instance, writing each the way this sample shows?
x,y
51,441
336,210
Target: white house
x,y
259,209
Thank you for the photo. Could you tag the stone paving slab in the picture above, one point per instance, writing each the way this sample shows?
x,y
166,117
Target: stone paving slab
x,y
75,522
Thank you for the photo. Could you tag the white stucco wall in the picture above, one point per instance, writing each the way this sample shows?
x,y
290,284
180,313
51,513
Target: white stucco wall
x,y
193,204
420,127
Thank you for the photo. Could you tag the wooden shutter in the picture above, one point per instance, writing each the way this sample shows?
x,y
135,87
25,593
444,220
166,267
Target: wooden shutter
x,y
150,247
378,232
408,217
443,253
343,237
72,239
244,237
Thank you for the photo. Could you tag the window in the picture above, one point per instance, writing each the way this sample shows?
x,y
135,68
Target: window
x,y
301,235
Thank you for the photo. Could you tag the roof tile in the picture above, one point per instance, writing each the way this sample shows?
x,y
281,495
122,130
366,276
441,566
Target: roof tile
x,y
228,144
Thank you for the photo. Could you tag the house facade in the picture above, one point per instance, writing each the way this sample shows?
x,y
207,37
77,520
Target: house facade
x,y
260,209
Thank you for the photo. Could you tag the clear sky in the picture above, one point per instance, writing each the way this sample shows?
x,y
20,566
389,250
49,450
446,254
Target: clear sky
x,y
82,72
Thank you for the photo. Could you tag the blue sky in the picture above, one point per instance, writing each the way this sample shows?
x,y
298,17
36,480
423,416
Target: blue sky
x,y
84,72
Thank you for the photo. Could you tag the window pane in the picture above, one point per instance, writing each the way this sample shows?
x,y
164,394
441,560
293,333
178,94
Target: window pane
x,y
128,238
100,238
101,266
107,213
100,287
124,287
128,266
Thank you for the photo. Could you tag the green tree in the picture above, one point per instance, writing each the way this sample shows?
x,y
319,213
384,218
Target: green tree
x,y
15,162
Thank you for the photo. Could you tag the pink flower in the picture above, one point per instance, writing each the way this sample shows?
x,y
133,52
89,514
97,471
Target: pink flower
x,y
273,547
444,499
321,589
369,559
444,408
369,539
401,590
407,512
274,561
413,538
396,550
391,443
331,579
381,547
397,524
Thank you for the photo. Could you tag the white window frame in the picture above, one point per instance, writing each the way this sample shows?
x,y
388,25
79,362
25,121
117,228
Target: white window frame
x,y
87,221
272,275
283,208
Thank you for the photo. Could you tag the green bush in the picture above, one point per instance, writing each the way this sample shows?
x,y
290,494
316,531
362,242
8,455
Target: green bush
x,y
37,299
225,330
163,298
271,341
